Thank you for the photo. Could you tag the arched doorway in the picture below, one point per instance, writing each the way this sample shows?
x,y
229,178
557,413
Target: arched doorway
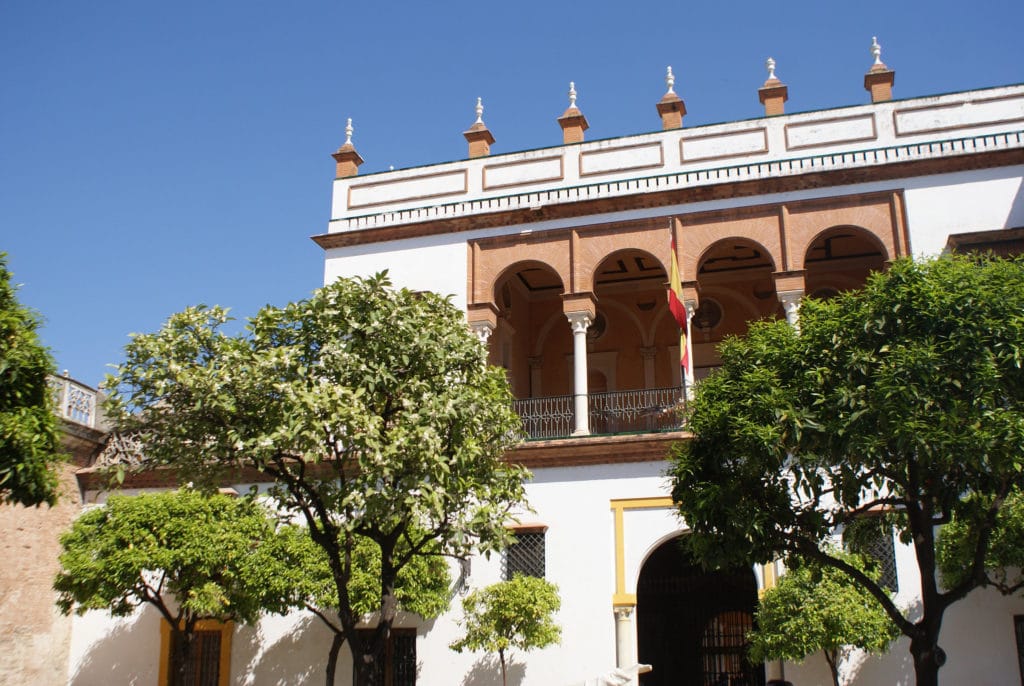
x,y
692,624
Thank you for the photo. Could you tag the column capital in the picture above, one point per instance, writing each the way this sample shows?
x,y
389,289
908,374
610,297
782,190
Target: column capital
x,y
623,612
483,330
580,321
791,304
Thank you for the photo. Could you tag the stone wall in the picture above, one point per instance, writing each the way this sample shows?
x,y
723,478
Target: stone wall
x,y
34,637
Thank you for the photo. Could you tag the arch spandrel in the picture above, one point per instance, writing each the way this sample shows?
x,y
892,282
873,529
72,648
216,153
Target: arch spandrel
x,y
875,215
596,246
493,262
699,233
841,258
732,243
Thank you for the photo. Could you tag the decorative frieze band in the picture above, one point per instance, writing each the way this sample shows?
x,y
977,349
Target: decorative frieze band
x,y
871,157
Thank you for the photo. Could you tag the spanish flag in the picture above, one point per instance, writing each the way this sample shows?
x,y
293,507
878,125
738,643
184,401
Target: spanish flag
x,y
678,309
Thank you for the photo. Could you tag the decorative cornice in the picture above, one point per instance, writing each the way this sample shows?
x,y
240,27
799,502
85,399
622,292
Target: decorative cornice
x,y
567,452
594,450
834,169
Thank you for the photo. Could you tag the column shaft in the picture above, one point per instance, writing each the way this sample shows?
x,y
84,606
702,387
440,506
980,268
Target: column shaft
x,y
580,322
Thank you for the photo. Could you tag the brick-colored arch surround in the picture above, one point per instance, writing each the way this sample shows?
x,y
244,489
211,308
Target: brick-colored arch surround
x,y
785,230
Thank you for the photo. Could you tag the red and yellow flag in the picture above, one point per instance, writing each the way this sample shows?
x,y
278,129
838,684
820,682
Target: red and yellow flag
x,y
678,309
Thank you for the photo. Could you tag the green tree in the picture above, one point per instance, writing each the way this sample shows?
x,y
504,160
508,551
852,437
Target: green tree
x,y
372,409
29,436
510,614
302,575
905,397
1004,560
818,608
189,555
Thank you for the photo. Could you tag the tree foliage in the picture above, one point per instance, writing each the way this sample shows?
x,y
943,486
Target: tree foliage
x,y
29,435
818,608
189,555
905,397
514,614
1004,560
371,408
302,576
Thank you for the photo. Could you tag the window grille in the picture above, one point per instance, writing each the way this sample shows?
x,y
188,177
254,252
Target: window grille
x,y
723,648
525,556
873,538
403,659
398,668
203,668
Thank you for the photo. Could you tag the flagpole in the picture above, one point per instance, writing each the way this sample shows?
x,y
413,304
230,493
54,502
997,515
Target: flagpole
x,y
679,309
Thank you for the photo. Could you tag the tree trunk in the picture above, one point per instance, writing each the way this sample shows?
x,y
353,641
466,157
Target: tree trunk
x,y
332,657
832,658
367,655
504,676
928,657
182,669
365,669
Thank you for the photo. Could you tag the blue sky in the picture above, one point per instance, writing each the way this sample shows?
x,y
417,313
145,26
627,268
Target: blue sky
x,y
157,155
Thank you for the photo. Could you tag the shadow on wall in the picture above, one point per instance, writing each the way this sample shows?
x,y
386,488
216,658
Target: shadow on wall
x,y
121,657
298,657
269,655
487,672
859,668
864,668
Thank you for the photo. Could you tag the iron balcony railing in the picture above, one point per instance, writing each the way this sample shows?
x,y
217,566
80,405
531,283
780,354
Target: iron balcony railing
x,y
648,410
551,417
76,402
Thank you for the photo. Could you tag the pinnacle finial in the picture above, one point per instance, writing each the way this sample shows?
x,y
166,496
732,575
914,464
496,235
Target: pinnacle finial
x,y
876,51
770,64
348,132
670,80
479,111
572,94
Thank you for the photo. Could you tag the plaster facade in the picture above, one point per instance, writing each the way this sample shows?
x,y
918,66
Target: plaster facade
x,y
762,212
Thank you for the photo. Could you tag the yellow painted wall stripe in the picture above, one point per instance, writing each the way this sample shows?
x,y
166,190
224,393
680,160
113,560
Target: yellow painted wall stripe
x,y
619,506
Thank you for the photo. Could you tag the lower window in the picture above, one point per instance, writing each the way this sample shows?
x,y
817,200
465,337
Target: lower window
x,y
398,668
872,537
210,663
526,554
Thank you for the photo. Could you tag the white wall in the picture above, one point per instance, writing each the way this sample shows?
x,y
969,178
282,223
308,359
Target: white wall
x,y
977,635
436,263
106,651
981,200
574,502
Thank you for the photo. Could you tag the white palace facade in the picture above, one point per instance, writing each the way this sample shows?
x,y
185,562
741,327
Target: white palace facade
x,y
560,257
